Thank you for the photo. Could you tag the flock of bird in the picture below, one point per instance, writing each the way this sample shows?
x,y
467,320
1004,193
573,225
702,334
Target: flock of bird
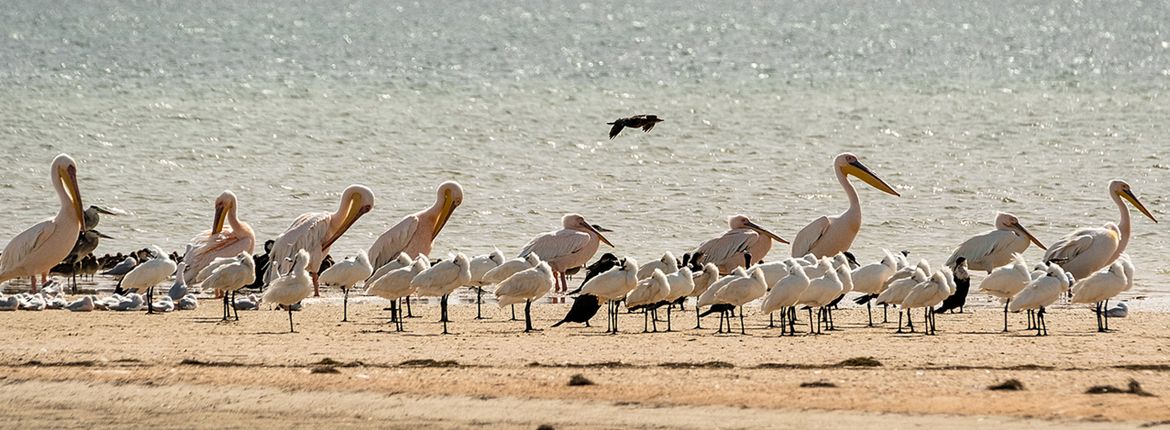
x,y
722,275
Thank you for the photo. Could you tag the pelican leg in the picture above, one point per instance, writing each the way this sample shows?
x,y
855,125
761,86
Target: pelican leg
x,y
443,312
316,287
528,316
344,304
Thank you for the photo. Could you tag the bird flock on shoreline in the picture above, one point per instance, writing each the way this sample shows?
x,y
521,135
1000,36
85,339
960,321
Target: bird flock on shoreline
x,y
722,275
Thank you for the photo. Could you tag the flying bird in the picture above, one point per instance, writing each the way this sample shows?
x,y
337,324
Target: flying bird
x,y
644,122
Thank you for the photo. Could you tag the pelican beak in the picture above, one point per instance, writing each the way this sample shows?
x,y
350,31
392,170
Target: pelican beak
x,y
69,180
1128,195
352,213
861,172
764,232
217,222
599,236
1030,237
101,235
445,212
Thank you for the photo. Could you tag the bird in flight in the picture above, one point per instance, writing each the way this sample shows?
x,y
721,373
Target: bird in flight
x,y
645,122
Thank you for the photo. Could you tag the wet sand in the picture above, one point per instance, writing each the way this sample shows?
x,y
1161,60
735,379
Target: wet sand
x,y
188,369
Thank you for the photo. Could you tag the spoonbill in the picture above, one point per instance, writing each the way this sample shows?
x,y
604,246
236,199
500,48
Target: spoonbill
x,y
290,288
345,275
441,280
526,286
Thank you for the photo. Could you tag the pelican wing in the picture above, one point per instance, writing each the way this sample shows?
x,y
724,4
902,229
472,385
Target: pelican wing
x,y
393,241
730,245
307,232
809,235
205,248
1073,245
550,246
981,246
24,245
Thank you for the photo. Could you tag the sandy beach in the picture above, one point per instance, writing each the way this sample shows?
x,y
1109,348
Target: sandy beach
x,y
130,370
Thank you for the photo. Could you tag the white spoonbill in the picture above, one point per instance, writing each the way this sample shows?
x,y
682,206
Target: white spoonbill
x,y
512,267
703,280
727,250
416,232
1041,293
820,292
1006,282
613,285
708,298
870,279
897,289
441,280
290,288
741,291
222,240
480,265
667,264
394,285
570,247
1088,250
682,283
646,295
345,275
40,247
783,296
829,235
988,250
403,260
230,278
928,295
524,287
145,276
315,232
1101,286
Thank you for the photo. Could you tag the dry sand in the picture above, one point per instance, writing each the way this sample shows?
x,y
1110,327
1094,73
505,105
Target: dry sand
x,y
189,370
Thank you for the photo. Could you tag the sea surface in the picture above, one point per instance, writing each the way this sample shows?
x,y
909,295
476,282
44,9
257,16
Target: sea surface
x,y
966,108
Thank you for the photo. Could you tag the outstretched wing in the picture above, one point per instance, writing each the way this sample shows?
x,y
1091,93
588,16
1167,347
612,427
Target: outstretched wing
x,y
617,128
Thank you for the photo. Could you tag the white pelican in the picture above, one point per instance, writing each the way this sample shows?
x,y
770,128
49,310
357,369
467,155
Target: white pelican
x,y
613,285
870,279
441,280
667,264
345,275
144,277
829,235
416,232
928,295
1088,250
682,283
40,247
740,291
1006,281
646,295
315,232
1040,293
570,247
394,285
728,250
480,265
290,288
230,278
1101,286
223,240
526,286
988,250
783,296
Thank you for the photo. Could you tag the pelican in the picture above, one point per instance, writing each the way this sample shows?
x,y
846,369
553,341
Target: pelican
x,y
441,280
347,274
646,295
526,286
222,240
145,276
1006,282
315,232
290,288
394,285
740,291
1089,249
613,285
231,277
829,235
416,232
1103,285
40,247
727,250
570,247
994,248
1040,293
